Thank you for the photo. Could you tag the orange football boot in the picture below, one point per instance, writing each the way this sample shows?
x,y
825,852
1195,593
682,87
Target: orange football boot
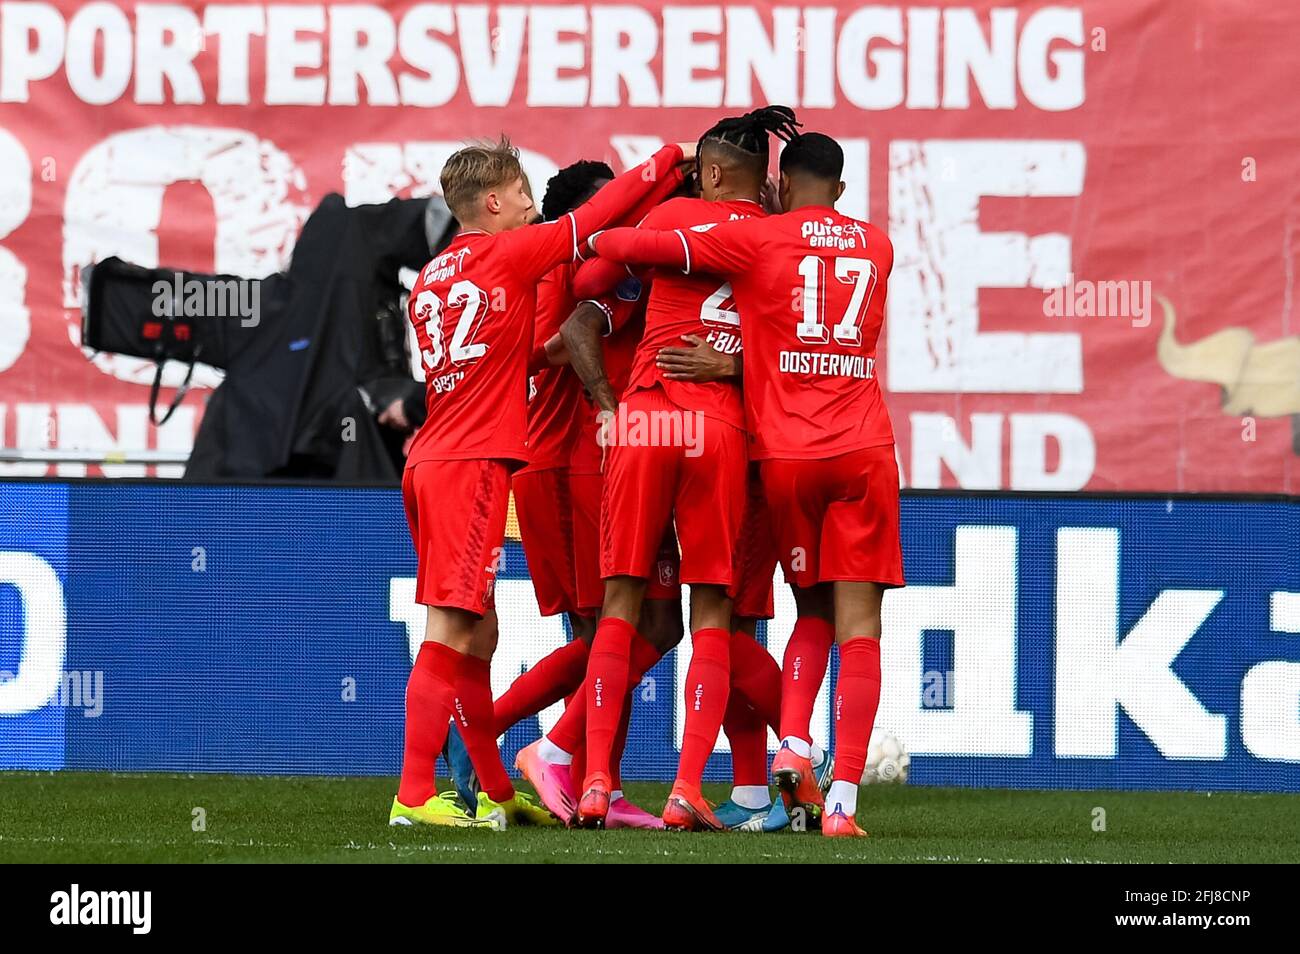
x,y
594,804
794,776
688,810
839,825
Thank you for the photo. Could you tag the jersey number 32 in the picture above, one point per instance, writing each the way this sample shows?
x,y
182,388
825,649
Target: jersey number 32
x,y
428,314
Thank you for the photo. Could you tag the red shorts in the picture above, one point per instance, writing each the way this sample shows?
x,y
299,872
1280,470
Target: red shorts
x,y
546,529
457,513
679,468
837,518
585,492
756,556
584,495
664,584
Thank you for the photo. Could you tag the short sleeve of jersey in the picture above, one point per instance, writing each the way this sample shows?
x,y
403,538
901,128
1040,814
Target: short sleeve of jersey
x,y
536,249
723,249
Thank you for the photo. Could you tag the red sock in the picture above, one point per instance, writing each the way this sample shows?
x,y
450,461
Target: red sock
x,y
756,677
620,743
474,717
644,657
857,694
707,683
578,769
430,697
570,732
747,734
551,679
804,669
607,679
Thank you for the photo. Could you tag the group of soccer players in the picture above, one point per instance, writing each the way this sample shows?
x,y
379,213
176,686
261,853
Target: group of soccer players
x,y
593,362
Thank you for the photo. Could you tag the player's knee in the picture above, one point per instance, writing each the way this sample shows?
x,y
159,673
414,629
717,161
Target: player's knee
x,y
857,610
661,624
451,627
582,627
623,598
710,607
816,601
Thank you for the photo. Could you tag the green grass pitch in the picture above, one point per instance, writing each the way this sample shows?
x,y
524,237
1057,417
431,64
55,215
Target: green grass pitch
x,y
98,817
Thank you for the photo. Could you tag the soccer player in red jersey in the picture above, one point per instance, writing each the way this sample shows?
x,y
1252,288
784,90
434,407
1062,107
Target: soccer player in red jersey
x,y
601,338
472,307
542,491
810,285
677,457
557,501
754,701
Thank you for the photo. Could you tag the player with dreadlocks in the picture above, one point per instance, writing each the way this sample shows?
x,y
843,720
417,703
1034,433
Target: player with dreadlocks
x,y
822,435
677,456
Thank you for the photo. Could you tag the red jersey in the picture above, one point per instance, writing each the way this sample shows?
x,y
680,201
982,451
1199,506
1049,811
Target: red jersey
x,y
472,308
624,309
554,392
692,304
810,288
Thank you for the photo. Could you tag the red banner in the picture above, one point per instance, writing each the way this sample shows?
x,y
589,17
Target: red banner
x,y
1094,207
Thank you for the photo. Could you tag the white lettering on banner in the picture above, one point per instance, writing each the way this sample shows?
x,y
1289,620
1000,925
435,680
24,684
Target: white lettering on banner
x,y
991,64
44,633
80,427
32,37
624,40
555,44
418,45
99,31
881,85
165,47
1097,673
290,49
490,55
1029,436
979,609
1270,693
709,55
773,59
403,609
233,25
362,41
937,442
942,260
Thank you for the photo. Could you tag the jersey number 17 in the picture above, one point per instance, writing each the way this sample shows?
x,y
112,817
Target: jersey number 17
x,y
858,272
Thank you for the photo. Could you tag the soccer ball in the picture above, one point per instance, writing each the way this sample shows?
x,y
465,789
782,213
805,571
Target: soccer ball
x,y
887,760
